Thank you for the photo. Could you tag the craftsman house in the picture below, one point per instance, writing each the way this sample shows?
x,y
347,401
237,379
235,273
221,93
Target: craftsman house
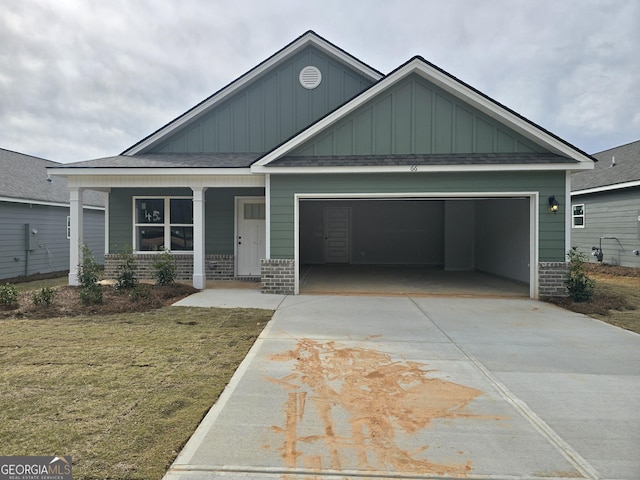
x,y
315,158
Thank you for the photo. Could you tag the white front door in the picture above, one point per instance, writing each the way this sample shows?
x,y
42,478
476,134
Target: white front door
x,y
250,235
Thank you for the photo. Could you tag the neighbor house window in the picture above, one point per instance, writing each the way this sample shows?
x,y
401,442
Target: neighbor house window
x,y
163,223
68,227
578,216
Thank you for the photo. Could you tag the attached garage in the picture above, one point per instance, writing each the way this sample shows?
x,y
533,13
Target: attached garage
x,y
490,234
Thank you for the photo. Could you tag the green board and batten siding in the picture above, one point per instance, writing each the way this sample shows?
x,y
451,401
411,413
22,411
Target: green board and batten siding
x,y
270,110
551,227
416,117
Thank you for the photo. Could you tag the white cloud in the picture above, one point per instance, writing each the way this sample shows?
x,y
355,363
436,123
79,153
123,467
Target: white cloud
x,y
86,78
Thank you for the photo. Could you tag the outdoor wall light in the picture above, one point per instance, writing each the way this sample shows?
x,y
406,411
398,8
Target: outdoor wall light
x,y
553,204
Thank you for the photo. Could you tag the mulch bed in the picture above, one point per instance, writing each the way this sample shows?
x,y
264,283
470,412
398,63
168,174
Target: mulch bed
x,y
66,302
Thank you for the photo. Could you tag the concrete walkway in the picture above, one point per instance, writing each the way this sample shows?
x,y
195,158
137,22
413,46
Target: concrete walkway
x,y
400,387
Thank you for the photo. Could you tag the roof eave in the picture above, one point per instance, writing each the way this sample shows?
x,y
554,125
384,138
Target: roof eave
x,y
606,188
265,169
149,171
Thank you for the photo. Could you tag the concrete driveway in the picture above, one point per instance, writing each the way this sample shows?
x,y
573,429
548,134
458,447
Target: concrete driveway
x,y
423,387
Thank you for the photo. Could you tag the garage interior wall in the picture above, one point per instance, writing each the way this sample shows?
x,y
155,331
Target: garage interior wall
x,y
490,235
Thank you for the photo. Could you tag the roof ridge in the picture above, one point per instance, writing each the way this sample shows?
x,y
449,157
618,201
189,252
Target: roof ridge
x,y
615,148
27,155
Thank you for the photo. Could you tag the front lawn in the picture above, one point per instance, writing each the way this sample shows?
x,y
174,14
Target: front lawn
x,y
121,393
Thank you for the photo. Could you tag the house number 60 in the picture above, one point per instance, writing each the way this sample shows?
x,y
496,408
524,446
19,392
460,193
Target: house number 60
x,y
414,168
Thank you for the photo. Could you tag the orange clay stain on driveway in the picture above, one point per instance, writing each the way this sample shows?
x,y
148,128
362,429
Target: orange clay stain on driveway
x,y
378,394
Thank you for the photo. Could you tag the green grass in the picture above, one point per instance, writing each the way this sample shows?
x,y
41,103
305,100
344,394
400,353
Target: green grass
x,y
39,284
119,393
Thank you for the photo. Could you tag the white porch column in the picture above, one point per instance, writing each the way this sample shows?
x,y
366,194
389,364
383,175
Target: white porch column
x,y
77,233
199,275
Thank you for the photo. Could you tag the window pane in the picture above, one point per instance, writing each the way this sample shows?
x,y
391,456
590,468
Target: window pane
x,y
181,211
578,221
150,210
578,210
182,238
149,238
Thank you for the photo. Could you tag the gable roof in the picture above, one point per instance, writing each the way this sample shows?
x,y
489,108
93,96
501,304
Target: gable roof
x,y
24,180
452,85
305,40
607,175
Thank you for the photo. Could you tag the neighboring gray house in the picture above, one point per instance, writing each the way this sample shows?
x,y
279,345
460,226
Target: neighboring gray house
x,y
34,218
605,220
315,158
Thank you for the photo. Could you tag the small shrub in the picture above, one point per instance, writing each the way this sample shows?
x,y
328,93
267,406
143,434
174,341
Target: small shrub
x,y
139,293
88,275
579,284
44,297
165,268
91,295
9,295
126,269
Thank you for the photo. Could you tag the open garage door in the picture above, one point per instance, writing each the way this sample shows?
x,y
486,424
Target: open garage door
x,y
427,241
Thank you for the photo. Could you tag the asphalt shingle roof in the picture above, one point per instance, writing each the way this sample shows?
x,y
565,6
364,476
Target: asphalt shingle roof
x,y
431,159
24,177
170,160
626,168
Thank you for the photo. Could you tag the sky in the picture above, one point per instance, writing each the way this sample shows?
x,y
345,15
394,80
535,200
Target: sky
x,y
85,79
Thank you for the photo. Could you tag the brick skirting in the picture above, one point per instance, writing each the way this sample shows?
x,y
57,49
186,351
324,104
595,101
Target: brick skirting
x,y
217,267
278,276
551,279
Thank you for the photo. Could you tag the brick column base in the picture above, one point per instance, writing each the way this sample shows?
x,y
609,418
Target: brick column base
x,y
278,276
551,279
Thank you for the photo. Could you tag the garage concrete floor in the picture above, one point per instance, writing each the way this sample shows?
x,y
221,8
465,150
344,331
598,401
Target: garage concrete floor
x,y
393,280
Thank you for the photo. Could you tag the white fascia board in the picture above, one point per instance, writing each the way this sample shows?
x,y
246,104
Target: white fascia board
x,y
46,204
447,83
607,188
101,182
416,168
304,41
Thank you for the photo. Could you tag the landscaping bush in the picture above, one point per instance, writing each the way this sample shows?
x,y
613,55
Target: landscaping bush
x,y
127,278
9,296
165,268
140,293
579,284
88,276
44,297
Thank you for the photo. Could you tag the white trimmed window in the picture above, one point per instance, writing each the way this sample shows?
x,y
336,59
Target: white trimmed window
x,y
163,223
68,227
577,216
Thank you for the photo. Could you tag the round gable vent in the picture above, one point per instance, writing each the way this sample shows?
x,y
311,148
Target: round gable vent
x,y
310,77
